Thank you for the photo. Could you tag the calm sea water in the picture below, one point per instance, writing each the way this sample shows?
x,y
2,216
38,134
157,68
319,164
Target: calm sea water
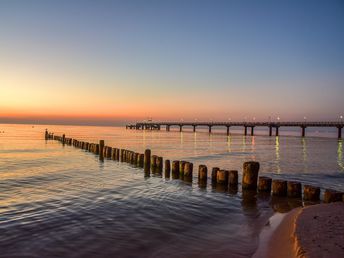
x,y
59,201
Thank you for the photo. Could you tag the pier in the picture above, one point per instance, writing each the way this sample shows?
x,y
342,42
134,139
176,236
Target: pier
x,y
247,126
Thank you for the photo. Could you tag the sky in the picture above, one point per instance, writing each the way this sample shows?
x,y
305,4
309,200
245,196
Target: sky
x,y
114,62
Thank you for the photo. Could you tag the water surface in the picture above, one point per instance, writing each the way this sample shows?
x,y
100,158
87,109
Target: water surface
x,y
61,201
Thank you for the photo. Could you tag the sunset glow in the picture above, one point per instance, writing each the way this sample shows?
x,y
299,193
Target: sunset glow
x,y
124,62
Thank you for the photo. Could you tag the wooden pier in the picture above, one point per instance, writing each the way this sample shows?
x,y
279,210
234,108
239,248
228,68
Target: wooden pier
x,y
272,126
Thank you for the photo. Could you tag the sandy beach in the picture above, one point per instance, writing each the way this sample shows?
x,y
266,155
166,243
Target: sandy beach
x,y
313,231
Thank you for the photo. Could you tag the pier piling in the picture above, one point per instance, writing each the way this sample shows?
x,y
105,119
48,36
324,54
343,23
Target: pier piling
x,y
167,168
250,175
214,175
202,175
333,196
311,193
294,189
222,177
279,187
175,169
147,159
264,184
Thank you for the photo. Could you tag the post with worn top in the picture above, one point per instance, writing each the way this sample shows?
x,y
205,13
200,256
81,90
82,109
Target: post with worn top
x,y
188,168
250,175
175,169
202,175
264,184
147,159
167,168
159,165
214,175
101,149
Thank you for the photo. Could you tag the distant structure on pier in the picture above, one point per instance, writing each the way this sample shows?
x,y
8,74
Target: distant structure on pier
x,y
150,125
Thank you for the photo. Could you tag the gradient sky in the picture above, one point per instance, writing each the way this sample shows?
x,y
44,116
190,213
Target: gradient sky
x,y
117,61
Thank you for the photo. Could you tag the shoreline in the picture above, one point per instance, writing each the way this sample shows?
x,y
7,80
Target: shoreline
x,y
312,231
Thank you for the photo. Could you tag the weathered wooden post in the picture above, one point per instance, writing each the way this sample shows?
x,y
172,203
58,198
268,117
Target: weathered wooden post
x,y
188,168
279,187
222,177
214,175
141,160
233,178
159,165
175,169
100,151
294,189
113,153
97,149
181,169
109,152
147,159
333,196
264,184
46,134
63,138
153,163
202,175
250,175
117,154
167,168
122,155
311,193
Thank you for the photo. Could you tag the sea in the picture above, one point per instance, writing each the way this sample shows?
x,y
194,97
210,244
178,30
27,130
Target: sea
x,y
60,201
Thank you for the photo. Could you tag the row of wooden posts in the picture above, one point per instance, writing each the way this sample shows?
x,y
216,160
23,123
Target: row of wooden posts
x,y
219,177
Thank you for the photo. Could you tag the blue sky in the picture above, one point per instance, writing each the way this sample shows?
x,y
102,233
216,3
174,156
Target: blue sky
x,y
172,59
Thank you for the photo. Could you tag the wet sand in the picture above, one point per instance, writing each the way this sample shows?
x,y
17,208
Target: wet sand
x,y
314,231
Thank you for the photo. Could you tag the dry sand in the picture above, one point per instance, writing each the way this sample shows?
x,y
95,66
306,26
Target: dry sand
x,y
314,231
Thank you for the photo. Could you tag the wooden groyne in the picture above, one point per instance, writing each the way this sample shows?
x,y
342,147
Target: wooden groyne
x,y
220,178
246,125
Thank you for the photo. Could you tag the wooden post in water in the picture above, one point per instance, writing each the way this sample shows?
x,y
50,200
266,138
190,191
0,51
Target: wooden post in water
x,y
141,160
153,163
250,175
63,138
181,169
159,165
188,168
147,159
97,149
175,169
233,178
333,196
311,193
294,189
101,147
222,177
167,168
202,175
214,175
279,187
264,184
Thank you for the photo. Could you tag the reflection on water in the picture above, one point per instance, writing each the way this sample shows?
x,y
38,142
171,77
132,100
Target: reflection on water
x,y
277,151
69,201
340,154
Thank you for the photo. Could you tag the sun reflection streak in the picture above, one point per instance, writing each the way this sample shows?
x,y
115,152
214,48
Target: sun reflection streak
x,y
304,154
278,158
244,143
229,142
340,155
